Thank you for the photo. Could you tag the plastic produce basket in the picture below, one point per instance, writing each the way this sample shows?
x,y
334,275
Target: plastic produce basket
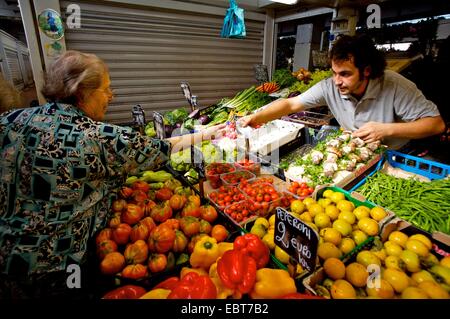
x,y
220,168
413,164
234,178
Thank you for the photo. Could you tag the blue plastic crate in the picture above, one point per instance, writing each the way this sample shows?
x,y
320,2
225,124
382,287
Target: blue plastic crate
x,y
413,164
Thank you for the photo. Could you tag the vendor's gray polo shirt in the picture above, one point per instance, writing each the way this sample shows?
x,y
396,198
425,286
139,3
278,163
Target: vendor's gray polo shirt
x,y
391,98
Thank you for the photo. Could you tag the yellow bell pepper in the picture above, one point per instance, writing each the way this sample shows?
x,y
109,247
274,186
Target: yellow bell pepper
x,y
185,270
272,284
222,291
205,253
224,246
158,293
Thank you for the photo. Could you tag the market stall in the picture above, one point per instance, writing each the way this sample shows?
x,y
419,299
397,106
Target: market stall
x,y
306,232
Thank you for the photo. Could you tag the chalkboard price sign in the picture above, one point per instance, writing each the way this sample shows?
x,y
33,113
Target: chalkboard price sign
x,y
298,239
198,161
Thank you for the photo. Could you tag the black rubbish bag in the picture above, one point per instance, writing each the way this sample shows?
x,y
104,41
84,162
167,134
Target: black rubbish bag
x,y
233,24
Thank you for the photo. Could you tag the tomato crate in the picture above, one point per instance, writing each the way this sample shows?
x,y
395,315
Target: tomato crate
x,y
225,195
354,197
249,165
264,196
241,212
214,170
236,177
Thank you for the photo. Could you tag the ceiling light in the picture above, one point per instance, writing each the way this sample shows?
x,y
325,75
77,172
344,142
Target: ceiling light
x,y
285,1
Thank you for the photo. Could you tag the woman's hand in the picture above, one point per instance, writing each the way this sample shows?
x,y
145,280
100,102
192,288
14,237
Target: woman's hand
x,y
249,120
214,132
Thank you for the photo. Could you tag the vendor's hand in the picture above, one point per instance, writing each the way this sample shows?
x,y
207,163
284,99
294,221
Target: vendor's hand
x,y
372,131
214,132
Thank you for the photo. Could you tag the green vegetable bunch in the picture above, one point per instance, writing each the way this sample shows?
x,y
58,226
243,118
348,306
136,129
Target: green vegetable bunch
x,y
424,204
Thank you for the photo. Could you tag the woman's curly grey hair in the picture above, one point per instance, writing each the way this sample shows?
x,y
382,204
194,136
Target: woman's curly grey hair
x,y
72,75
9,96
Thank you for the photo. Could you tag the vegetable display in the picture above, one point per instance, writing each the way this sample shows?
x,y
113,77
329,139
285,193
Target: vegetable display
x,y
423,204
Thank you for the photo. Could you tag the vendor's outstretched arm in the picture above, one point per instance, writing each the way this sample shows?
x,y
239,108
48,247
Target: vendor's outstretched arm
x,y
420,128
275,110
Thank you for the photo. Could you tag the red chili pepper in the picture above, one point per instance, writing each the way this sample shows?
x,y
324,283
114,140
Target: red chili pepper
x,y
194,286
237,270
251,245
125,292
169,283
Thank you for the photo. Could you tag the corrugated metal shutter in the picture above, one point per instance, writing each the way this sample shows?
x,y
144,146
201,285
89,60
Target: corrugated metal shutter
x,y
12,59
28,70
150,51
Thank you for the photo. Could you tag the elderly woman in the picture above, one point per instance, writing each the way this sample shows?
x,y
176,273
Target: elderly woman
x,y
59,165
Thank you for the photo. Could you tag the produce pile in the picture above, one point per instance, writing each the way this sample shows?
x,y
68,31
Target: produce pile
x,y
333,159
407,266
155,225
427,205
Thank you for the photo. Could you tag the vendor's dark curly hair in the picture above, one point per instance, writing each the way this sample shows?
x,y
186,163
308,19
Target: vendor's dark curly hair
x,y
363,51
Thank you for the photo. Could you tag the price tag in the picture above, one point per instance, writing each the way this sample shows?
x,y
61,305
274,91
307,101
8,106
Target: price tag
x,y
186,89
198,162
160,128
298,239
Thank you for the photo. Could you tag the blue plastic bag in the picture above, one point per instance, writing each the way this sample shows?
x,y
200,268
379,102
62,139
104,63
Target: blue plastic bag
x,y
233,24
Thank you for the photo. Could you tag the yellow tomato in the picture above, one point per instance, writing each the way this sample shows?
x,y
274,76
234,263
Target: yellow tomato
x,y
394,262
342,289
327,193
422,238
332,211
347,245
445,261
331,235
359,236
377,213
411,260
414,293
392,249
418,247
348,216
384,291
345,205
398,279
399,238
369,226
366,258
322,220
342,226
361,212
336,197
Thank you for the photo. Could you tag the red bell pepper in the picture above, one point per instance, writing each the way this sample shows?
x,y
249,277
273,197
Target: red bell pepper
x,y
237,270
254,247
125,292
194,286
169,283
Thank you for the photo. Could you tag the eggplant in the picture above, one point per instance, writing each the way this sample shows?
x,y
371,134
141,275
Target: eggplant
x,y
295,93
204,119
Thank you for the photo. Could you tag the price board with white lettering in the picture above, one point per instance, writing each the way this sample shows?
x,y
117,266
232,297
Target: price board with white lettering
x,y
295,237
